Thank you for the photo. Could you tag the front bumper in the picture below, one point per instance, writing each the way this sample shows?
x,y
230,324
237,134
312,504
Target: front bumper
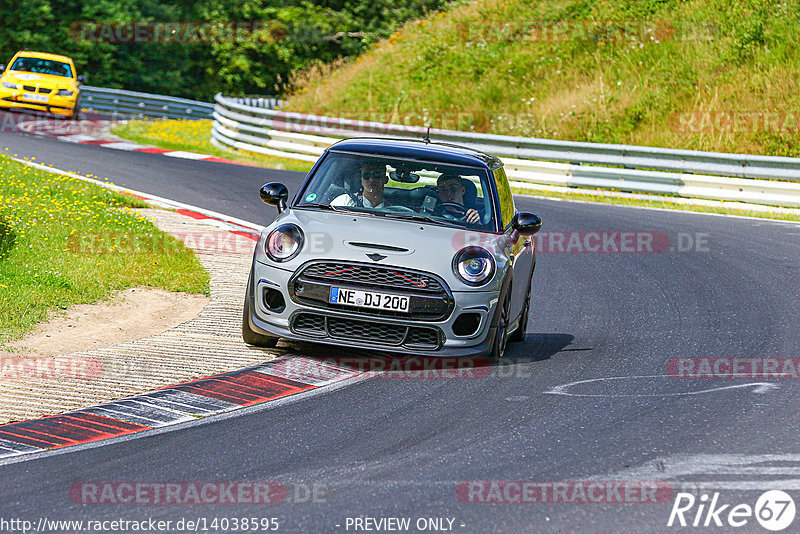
x,y
283,323
57,105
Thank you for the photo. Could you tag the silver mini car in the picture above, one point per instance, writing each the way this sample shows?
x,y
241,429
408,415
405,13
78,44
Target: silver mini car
x,y
409,247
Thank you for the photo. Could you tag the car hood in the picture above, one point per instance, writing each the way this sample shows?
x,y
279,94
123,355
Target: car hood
x,y
410,244
42,80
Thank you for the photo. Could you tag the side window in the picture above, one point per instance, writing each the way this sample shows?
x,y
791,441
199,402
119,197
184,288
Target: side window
x,y
504,196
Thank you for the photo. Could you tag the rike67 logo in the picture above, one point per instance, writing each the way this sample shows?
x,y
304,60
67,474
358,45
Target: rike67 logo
x,y
774,510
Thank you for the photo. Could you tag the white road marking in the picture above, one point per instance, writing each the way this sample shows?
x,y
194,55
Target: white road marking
x,y
758,387
696,471
186,155
123,146
77,138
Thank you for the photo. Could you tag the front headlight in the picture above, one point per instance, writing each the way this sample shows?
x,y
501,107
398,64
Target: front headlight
x,y
284,242
9,85
474,266
65,92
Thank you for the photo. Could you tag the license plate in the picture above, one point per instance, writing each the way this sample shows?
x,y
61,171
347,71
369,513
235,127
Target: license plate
x,y
369,299
35,97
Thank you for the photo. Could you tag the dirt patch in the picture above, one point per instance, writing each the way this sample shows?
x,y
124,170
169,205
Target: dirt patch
x,y
131,314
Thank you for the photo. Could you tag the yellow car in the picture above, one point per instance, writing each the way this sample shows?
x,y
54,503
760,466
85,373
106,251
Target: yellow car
x,y
44,82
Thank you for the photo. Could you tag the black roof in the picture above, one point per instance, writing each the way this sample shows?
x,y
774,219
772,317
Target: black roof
x,y
419,150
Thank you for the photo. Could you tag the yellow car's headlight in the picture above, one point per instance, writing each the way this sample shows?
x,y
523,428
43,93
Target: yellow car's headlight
x,y
65,92
9,85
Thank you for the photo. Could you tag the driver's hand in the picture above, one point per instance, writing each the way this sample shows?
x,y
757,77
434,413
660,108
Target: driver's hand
x,y
472,216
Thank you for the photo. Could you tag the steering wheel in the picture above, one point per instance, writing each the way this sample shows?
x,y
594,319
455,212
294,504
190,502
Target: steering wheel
x,y
398,209
461,211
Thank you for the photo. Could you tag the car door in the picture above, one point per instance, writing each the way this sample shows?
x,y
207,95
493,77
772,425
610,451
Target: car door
x,y
519,248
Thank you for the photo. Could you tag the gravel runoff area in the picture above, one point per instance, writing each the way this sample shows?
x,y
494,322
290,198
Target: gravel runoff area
x,y
210,343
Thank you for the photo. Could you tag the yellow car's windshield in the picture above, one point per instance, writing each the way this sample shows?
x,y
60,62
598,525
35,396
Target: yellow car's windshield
x,y
42,66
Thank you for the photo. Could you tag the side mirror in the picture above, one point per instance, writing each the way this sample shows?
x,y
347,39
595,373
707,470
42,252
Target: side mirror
x,y
274,194
2,68
526,223
82,79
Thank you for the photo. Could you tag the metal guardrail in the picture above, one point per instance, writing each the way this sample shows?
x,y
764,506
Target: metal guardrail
x,y
257,101
130,104
685,173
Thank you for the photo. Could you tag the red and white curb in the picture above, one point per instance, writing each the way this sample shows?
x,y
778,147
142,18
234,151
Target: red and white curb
x,y
282,377
86,132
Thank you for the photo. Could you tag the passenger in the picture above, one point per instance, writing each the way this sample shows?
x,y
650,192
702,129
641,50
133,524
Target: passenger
x,y
451,190
373,179
22,66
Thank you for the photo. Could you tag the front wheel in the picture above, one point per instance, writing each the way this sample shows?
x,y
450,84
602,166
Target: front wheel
x,y
501,330
250,337
519,333
76,111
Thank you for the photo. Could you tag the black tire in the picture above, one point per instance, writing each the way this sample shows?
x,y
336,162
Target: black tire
x,y
501,330
250,337
77,111
519,333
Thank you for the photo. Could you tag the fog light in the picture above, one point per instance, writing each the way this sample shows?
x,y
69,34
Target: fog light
x,y
466,324
273,300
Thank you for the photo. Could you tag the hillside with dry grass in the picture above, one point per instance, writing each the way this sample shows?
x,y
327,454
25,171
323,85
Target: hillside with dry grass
x,y
697,74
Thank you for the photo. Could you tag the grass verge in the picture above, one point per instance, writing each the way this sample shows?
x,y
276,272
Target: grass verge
x,y
704,75
193,136
46,222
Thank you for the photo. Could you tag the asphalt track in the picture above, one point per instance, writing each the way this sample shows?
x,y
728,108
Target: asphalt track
x,y
401,447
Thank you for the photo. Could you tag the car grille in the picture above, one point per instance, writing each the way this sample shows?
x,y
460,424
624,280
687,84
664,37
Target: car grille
x,y
307,322
429,298
421,336
374,333
353,329
32,89
373,276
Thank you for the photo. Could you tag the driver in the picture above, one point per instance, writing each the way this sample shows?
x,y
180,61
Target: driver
x,y
452,190
373,179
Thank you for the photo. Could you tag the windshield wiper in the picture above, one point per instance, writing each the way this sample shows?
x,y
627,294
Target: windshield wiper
x,y
420,218
328,207
320,206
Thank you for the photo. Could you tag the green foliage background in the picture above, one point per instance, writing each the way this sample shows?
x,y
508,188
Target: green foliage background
x,y
296,34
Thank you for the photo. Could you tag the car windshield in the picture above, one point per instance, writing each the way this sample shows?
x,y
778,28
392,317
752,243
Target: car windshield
x,y
42,66
422,191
